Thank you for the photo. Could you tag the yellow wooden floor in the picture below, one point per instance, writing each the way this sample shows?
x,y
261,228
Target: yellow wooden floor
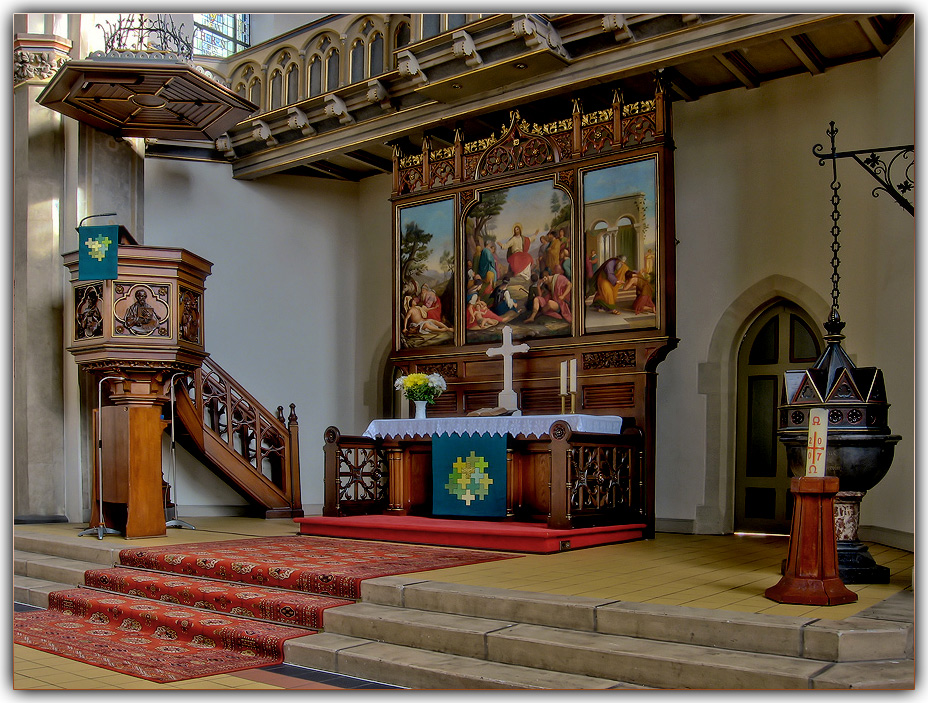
x,y
729,572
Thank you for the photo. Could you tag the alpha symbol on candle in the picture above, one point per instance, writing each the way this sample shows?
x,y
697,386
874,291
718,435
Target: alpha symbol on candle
x,y
817,444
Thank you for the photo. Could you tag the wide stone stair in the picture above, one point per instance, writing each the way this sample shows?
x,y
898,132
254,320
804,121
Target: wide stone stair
x,y
424,634
411,632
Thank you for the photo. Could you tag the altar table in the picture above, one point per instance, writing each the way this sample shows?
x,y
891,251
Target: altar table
x,y
566,470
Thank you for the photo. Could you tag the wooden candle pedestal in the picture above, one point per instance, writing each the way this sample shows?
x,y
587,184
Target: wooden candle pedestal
x,y
811,575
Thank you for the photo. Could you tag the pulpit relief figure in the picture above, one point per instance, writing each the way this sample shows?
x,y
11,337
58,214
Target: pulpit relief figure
x,y
141,317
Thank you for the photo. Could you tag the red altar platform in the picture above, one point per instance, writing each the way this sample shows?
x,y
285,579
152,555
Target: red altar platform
x,y
533,538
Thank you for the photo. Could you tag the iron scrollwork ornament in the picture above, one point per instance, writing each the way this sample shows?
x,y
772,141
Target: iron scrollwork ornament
x,y
893,168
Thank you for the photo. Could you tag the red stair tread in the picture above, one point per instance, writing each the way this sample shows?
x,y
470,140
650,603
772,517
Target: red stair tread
x,y
286,607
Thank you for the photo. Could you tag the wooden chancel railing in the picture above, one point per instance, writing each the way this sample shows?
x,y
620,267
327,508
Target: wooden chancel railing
x,y
254,450
563,478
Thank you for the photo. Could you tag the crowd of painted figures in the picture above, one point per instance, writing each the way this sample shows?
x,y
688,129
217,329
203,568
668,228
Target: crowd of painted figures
x,y
528,278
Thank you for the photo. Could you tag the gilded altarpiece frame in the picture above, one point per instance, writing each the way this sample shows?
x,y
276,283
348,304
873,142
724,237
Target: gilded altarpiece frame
x,y
575,214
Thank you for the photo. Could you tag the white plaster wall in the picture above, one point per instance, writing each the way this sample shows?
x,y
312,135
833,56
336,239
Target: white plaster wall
x,y
294,261
752,202
298,305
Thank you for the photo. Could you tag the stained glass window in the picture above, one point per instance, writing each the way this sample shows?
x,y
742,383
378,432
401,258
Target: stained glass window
x,y
221,33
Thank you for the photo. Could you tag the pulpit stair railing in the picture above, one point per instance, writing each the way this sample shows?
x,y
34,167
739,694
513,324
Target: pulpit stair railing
x,y
265,445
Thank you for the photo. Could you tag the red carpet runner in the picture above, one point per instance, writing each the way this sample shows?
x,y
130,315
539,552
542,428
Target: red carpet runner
x,y
191,615
320,565
152,640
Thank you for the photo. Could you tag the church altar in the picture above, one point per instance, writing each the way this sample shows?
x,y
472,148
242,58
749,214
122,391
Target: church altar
x,y
562,471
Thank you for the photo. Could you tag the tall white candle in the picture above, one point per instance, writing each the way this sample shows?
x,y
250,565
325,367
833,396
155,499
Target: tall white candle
x,y
563,378
573,375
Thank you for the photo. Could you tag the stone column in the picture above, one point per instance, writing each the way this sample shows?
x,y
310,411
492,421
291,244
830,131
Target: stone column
x,y
38,275
62,171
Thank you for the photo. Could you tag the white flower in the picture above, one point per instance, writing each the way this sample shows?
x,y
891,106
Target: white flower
x,y
436,381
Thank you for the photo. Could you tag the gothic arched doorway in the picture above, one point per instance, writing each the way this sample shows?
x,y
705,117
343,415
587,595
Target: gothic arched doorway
x,y
782,337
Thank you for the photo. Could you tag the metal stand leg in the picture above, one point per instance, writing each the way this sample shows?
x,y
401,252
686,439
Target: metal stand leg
x,y
101,528
175,521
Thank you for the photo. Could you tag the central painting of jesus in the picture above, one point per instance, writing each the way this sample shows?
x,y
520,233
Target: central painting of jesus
x,y
469,475
518,247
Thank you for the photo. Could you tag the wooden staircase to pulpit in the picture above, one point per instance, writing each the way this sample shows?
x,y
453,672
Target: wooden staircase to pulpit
x,y
139,335
254,451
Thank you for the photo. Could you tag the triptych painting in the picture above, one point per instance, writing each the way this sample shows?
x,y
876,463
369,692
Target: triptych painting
x,y
528,256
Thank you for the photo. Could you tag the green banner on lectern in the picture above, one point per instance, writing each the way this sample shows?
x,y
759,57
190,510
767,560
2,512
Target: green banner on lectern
x,y
98,253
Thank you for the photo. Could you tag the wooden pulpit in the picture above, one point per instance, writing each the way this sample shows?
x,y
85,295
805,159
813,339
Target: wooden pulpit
x,y
142,328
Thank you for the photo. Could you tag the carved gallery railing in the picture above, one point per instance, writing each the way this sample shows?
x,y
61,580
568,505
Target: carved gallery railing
x,y
563,477
266,443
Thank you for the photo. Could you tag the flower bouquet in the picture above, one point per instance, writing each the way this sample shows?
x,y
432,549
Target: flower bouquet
x,y
419,386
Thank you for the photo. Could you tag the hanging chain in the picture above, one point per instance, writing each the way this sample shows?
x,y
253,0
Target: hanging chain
x,y
835,217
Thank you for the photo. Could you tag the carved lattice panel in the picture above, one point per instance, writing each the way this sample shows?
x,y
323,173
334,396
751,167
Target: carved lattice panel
x,y
362,475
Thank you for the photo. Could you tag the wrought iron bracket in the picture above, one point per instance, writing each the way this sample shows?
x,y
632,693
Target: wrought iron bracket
x,y
900,165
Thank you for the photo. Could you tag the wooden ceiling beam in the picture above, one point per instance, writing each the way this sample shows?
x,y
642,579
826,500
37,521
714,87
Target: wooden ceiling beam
x,y
680,85
739,67
806,52
866,26
372,160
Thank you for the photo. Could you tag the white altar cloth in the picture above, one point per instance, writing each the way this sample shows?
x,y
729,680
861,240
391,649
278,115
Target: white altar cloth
x,y
529,426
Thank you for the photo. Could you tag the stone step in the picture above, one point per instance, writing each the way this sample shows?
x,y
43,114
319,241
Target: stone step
x,y
415,668
33,591
87,548
640,661
631,660
827,640
51,568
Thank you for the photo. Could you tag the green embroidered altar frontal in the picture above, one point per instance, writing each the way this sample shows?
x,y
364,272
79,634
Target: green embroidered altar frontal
x,y
469,475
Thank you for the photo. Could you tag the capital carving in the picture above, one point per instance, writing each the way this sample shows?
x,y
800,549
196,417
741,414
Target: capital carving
x,y
35,65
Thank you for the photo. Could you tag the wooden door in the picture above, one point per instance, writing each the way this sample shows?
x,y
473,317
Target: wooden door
x,y
783,337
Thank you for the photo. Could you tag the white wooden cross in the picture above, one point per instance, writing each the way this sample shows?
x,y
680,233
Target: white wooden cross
x,y
507,397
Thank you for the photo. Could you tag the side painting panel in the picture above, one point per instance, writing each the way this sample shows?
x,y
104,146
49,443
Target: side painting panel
x,y
426,274
621,245
518,244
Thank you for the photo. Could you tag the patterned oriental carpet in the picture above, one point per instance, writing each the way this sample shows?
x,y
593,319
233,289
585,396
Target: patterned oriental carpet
x,y
321,565
219,607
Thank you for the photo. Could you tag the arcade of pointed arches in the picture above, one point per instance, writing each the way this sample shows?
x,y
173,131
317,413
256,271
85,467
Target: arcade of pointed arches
x,y
327,60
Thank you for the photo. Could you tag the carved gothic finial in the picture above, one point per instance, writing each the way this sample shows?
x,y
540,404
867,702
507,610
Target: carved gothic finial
x,y
292,418
280,413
